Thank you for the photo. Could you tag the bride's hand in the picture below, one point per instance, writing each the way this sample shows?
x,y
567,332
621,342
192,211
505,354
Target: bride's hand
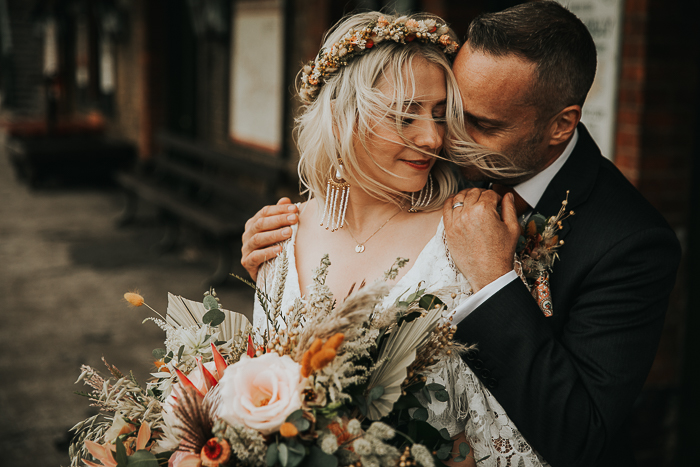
x,y
481,240
269,226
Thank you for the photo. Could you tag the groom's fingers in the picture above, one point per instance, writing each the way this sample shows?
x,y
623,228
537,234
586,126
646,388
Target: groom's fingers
x,y
510,216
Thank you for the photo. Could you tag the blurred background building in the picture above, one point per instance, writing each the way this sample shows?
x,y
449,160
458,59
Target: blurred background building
x,y
192,102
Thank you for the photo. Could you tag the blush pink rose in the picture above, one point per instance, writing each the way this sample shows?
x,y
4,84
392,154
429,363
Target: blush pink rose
x,y
260,392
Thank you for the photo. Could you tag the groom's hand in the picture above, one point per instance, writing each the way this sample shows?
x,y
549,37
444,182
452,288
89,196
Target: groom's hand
x,y
269,226
481,240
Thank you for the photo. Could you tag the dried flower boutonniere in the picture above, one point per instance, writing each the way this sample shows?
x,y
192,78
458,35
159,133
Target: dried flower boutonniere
x,y
536,252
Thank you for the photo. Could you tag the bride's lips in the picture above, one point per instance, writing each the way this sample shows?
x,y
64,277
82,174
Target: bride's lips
x,y
423,164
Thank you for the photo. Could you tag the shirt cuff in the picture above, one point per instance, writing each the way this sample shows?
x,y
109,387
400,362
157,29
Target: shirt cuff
x,y
473,302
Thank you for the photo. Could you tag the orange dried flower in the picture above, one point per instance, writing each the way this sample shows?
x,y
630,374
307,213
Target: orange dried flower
x,y
322,358
340,432
161,365
334,341
316,346
134,299
531,229
288,430
553,241
306,358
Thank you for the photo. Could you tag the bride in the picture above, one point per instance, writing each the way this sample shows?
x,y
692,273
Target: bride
x,y
381,122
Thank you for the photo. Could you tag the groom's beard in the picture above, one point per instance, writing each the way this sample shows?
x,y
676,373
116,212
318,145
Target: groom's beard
x,y
525,156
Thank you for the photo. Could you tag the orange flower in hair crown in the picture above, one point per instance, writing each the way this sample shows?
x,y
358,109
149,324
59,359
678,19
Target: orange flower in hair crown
x,y
357,41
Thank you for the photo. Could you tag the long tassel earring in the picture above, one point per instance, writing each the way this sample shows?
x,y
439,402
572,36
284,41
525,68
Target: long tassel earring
x,y
424,196
337,193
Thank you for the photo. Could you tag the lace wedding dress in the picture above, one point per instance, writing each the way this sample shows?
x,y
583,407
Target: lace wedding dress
x,y
471,407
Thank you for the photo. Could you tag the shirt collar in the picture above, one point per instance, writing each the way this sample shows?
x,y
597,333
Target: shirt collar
x,y
532,190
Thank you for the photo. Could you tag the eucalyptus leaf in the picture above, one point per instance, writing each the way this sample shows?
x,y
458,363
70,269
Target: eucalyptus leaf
x,y
283,454
375,393
142,458
464,449
158,353
180,352
296,453
445,434
442,396
459,459
444,451
297,414
420,414
302,424
271,456
213,317
210,303
295,446
435,387
428,302
407,318
168,357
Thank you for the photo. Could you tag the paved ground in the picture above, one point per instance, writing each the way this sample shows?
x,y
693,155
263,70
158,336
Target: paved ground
x,y
63,270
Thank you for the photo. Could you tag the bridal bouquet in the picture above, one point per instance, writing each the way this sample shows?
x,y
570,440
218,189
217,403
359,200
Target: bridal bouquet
x,y
325,384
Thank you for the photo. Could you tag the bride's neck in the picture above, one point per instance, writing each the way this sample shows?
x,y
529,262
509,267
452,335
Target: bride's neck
x,y
365,211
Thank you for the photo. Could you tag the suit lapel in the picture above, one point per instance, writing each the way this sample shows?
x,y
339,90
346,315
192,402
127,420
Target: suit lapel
x,y
577,176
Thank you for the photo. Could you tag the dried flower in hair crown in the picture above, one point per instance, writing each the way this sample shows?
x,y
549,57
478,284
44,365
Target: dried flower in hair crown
x,y
357,41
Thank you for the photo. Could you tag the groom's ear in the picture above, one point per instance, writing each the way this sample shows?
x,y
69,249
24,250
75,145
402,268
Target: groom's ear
x,y
564,124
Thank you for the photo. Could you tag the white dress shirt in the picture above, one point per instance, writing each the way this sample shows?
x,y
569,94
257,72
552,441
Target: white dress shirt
x,y
531,191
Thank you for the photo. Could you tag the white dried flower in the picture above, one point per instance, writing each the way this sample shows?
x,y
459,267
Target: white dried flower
x,y
329,443
354,427
381,430
362,447
422,456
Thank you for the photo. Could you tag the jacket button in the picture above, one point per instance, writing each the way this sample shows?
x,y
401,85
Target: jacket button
x,y
478,365
485,373
491,383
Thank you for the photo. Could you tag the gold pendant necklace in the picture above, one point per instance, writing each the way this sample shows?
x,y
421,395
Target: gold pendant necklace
x,y
360,247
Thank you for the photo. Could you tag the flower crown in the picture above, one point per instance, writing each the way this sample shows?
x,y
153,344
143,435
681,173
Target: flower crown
x,y
357,41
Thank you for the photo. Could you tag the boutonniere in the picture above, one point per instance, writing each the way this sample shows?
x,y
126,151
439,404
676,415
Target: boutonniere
x,y
536,251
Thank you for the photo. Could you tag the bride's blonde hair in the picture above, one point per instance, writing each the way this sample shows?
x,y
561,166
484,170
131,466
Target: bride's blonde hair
x,y
349,104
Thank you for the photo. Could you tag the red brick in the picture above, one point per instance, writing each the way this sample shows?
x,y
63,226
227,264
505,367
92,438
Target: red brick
x,y
636,6
627,116
633,71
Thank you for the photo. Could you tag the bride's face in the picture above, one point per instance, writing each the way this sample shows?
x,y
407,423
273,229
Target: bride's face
x,y
387,158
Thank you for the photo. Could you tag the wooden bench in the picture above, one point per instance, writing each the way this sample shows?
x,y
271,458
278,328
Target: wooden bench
x,y
192,184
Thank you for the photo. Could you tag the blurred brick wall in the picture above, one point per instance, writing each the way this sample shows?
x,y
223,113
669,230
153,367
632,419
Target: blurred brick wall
x,y
655,138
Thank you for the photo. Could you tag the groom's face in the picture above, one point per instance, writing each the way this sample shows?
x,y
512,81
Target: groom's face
x,y
498,108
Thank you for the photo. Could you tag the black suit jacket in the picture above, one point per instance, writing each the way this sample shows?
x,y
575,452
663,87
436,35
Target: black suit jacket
x,y
569,381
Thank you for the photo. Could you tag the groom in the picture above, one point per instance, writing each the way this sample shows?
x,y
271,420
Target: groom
x,y
567,381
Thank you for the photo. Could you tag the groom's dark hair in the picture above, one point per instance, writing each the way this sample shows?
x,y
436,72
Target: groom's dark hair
x,y
548,35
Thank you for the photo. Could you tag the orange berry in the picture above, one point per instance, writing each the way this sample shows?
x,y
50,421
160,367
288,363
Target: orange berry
x,y
288,430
